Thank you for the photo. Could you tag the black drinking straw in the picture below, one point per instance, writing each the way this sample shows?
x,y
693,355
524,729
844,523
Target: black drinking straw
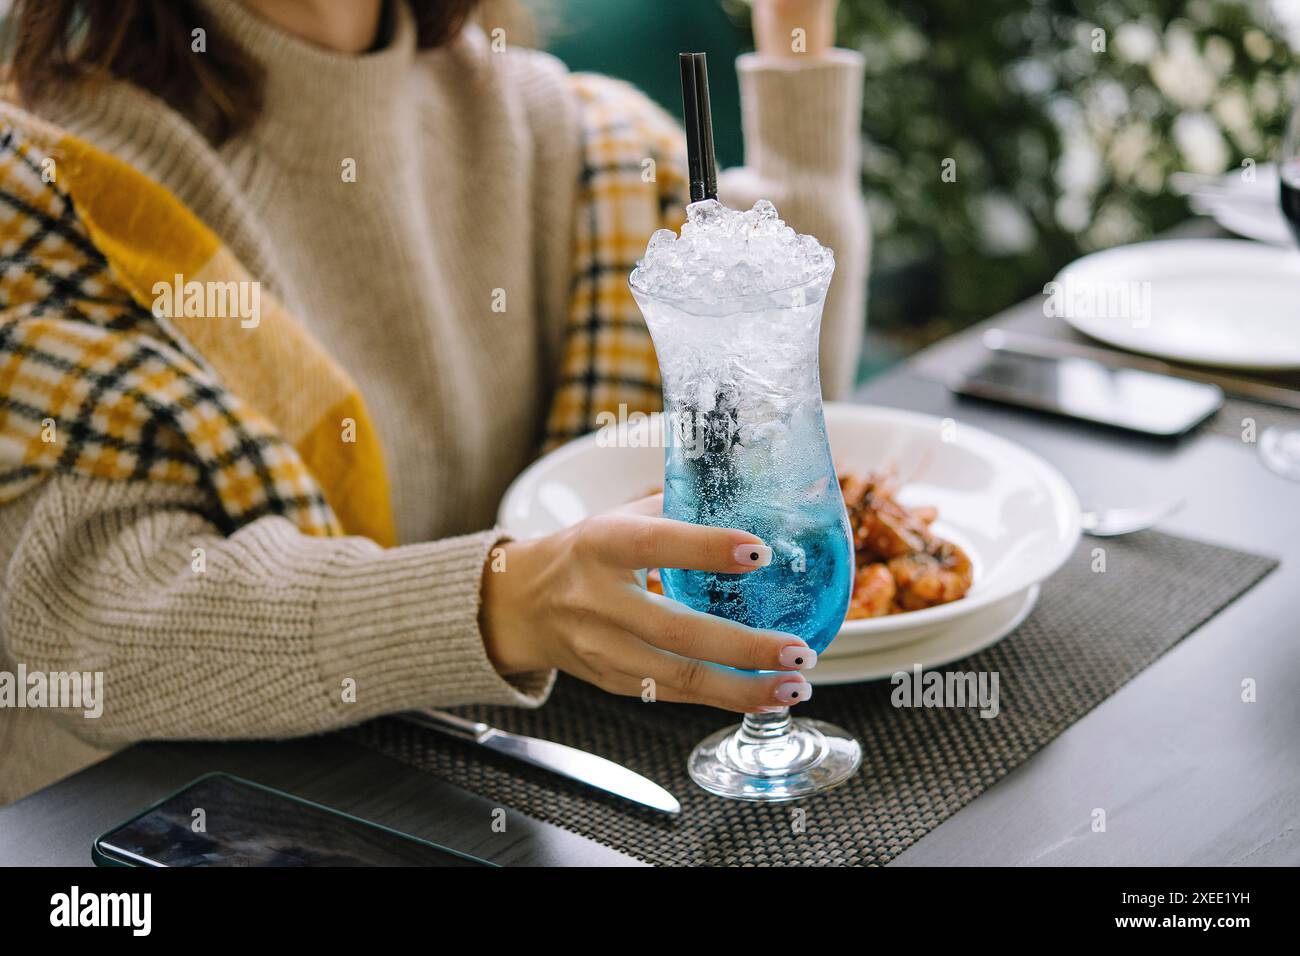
x,y
698,118
716,479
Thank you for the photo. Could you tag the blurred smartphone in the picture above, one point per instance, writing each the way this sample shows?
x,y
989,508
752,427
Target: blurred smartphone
x,y
1139,401
220,820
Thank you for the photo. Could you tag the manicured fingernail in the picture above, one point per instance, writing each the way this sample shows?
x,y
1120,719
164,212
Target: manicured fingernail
x,y
753,555
797,655
792,692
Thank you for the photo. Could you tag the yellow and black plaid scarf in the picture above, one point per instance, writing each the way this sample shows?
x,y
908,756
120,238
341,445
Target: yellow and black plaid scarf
x,y
93,382
633,182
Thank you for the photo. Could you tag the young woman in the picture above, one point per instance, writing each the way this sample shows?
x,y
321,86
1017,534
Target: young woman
x,y
273,516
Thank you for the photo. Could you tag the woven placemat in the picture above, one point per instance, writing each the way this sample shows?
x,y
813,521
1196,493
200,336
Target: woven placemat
x,y
1090,633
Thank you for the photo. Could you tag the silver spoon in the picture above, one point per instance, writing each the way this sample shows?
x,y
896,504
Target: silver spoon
x,y
1111,522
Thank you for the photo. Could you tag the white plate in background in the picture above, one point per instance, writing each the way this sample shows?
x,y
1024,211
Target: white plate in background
x,y
1251,210
1221,302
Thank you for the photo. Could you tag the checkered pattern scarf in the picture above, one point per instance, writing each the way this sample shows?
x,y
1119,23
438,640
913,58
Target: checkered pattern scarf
x,y
96,380
633,182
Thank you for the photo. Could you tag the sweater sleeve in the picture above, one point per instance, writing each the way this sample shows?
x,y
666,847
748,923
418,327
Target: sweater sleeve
x,y
803,152
263,633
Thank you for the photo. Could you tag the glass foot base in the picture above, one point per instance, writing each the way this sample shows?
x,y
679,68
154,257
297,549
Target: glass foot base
x,y
742,765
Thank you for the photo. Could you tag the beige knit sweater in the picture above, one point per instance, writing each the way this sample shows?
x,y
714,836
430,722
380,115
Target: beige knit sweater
x,y
466,172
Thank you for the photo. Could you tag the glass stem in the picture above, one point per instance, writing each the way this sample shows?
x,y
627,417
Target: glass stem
x,y
762,728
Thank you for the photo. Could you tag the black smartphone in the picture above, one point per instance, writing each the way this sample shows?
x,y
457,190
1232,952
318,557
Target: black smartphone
x,y
220,820
1080,388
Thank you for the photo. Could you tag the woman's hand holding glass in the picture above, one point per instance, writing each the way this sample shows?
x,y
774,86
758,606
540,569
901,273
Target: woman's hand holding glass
x,y
573,601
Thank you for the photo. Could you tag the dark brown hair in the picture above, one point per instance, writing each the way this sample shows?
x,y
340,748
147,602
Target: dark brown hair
x,y
148,43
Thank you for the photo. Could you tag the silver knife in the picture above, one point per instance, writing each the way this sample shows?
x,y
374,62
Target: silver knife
x,y
558,758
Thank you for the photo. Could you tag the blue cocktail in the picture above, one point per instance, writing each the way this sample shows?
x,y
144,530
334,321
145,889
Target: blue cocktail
x,y
734,307
794,504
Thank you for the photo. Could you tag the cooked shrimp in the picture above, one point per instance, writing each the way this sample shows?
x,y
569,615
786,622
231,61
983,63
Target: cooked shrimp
x,y
926,514
881,526
873,592
888,530
937,575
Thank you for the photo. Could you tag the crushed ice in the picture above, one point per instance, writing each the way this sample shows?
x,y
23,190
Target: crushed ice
x,y
725,253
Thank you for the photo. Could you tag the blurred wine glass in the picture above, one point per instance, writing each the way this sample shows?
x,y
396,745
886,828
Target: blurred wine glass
x,y
1280,447
1289,172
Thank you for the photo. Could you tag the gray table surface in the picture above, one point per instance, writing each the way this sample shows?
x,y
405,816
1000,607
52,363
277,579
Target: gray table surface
x,y
1186,772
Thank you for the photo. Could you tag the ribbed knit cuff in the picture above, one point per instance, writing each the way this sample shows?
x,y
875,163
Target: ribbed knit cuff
x,y
403,624
802,115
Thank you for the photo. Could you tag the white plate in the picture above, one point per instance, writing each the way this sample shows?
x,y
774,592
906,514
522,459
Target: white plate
x,y
1013,513
961,638
1224,302
1249,209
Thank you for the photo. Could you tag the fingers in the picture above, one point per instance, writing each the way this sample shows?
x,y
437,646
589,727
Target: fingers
x,y
675,628
695,682
623,664
634,541
641,636
652,505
